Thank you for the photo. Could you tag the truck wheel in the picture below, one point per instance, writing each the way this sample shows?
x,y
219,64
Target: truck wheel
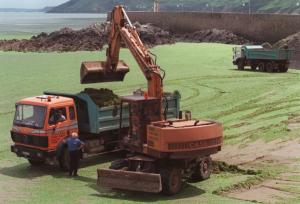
x,y
34,162
203,170
240,65
269,67
171,181
64,160
261,67
283,68
253,67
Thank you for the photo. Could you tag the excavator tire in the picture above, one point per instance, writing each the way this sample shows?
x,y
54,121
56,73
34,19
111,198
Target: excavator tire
x,y
203,170
64,160
119,164
171,180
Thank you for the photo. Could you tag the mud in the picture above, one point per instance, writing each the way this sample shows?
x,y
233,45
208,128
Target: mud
x,y
95,37
66,39
219,167
293,42
214,35
258,153
262,194
103,97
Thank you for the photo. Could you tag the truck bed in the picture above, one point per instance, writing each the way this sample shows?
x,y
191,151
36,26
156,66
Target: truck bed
x,y
94,119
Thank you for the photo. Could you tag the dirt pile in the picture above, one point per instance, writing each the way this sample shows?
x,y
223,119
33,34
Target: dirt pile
x,y
95,36
214,35
293,42
103,97
66,39
91,38
152,35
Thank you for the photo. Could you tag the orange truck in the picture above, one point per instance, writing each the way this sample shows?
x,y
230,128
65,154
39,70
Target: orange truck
x,y
38,133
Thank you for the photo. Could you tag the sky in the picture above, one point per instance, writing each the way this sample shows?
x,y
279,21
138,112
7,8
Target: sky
x,y
35,4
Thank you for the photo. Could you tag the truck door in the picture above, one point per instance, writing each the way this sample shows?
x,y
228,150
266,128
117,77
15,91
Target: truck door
x,y
59,123
73,120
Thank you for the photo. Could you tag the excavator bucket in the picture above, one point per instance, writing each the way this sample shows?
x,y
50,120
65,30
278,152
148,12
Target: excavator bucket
x,y
96,72
129,180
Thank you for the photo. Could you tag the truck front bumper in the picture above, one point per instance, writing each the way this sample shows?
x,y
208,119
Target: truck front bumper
x,y
31,153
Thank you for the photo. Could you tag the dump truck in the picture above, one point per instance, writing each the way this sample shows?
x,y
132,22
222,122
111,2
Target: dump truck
x,y
39,137
161,151
264,59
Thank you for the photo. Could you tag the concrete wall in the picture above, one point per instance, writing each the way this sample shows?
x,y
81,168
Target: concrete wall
x,y
256,27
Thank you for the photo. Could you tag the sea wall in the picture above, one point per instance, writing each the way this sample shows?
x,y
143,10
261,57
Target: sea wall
x,y
255,27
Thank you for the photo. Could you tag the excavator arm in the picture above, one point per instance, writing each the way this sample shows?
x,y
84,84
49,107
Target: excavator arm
x,y
113,69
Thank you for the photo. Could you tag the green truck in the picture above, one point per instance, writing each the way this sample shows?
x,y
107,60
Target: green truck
x,y
263,59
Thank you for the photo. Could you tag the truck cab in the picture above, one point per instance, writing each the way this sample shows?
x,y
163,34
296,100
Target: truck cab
x,y
40,124
237,54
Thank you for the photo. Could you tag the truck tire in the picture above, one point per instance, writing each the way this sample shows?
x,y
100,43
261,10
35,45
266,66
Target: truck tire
x,y
171,180
64,160
253,67
261,67
283,67
240,65
269,67
203,169
34,162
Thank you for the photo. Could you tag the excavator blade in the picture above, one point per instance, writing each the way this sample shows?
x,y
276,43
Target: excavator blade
x,y
96,72
129,180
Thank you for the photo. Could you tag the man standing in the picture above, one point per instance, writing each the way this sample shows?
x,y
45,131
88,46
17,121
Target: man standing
x,y
74,146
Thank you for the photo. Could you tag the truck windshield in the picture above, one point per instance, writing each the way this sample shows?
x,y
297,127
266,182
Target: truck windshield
x,y
30,116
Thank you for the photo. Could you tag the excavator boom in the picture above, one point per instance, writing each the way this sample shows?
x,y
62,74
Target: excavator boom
x,y
122,30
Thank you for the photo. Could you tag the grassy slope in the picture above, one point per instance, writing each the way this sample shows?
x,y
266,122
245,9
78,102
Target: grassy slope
x,y
251,106
225,5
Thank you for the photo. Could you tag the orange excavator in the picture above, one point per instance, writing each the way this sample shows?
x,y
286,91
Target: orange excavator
x,y
160,152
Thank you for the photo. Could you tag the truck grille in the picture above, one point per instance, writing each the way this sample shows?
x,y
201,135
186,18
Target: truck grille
x,y
38,141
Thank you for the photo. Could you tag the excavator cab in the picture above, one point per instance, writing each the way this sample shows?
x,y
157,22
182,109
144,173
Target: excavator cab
x,y
97,72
